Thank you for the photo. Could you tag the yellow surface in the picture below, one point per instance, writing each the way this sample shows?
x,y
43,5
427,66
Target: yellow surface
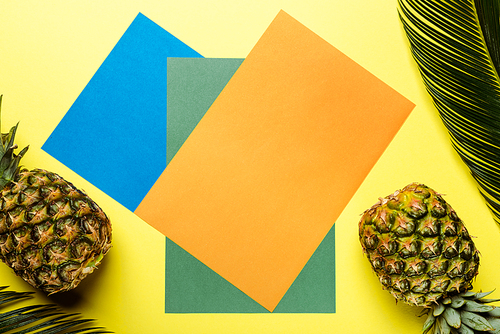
x,y
50,49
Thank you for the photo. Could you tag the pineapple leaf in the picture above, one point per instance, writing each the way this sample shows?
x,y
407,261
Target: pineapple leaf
x,y
456,46
457,302
9,162
495,312
475,321
6,159
473,306
469,294
429,322
438,309
452,317
464,329
11,137
8,172
480,295
486,300
443,326
495,322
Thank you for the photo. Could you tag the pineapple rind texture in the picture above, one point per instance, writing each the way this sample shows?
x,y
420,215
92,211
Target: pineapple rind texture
x,y
51,234
418,246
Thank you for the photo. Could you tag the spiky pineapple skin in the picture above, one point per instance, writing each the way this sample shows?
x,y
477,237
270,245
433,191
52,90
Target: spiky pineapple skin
x,y
418,246
51,234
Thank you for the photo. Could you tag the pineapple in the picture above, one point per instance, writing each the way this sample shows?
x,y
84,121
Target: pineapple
x,y
51,234
423,255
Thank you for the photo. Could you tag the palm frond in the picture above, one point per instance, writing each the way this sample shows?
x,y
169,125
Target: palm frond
x,y
456,45
46,318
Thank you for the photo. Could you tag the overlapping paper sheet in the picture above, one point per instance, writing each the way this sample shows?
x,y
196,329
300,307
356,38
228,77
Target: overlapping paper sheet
x,y
262,178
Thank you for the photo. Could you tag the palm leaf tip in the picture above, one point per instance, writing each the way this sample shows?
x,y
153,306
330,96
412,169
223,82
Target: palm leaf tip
x,y
456,46
46,318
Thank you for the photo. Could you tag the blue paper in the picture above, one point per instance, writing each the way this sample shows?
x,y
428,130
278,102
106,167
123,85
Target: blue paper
x,y
114,135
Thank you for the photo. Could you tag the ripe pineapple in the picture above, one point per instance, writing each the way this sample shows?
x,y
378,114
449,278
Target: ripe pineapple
x,y
51,234
423,255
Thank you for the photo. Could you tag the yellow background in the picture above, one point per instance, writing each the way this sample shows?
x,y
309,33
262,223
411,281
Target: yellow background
x,y
49,50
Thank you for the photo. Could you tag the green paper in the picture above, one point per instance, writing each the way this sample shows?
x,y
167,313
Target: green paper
x,y
193,84
192,287
192,87
313,291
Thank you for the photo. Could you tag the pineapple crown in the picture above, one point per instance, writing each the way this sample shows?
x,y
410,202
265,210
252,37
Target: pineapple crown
x,y
9,162
467,312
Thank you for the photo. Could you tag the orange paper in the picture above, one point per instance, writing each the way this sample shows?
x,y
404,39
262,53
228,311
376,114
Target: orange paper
x,y
277,157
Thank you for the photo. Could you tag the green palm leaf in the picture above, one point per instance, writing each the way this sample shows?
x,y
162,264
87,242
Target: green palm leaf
x,y
46,319
456,45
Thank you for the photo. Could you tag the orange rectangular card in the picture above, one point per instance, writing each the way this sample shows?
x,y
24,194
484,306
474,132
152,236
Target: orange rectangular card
x,y
274,161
